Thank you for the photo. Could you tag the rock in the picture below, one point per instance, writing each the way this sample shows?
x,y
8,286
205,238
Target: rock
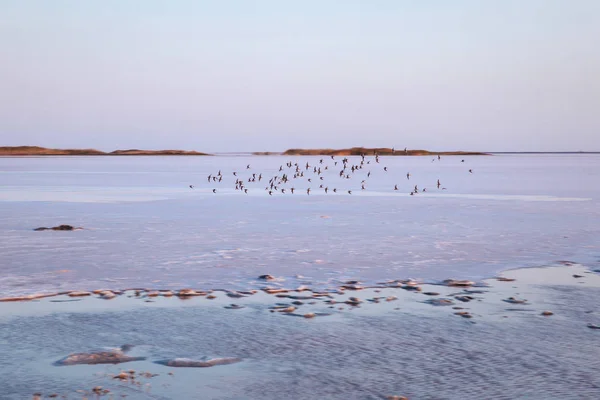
x,y
578,276
513,300
166,293
123,376
352,287
287,309
153,293
459,283
275,291
115,356
79,294
58,228
547,313
439,302
297,303
309,315
503,279
235,295
211,297
37,396
431,293
190,363
396,398
28,297
411,287
464,299
107,295
301,297
266,277
97,390
317,294
461,313
410,282
391,298
188,293
353,301
234,307
593,326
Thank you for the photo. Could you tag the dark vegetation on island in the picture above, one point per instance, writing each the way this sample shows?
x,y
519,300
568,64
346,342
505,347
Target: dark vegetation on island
x,y
382,151
42,151
368,151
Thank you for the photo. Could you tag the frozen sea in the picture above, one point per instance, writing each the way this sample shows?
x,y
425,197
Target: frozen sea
x,y
145,227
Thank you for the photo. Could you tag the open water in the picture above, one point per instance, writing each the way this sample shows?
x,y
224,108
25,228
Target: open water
x,y
145,227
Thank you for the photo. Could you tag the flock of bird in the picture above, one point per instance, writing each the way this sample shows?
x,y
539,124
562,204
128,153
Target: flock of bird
x,y
314,175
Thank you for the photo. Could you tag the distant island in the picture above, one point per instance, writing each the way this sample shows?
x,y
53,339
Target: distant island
x,y
382,151
42,151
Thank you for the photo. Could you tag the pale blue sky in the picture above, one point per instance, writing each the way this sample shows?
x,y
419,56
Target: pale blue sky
x,y
245,75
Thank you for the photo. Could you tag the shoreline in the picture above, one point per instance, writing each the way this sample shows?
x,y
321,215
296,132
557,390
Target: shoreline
x,y
273,286
17,151
32,151
145,345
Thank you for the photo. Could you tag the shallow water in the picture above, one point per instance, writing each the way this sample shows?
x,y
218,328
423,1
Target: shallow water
x,y
404,347
145,227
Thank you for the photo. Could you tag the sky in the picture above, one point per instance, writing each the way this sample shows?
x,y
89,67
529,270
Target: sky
x,y
268,75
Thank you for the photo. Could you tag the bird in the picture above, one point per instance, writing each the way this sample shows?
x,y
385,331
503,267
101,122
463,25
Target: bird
x,y
438,184
235,174
308,191
408,175
349,191
471,171
246,191
395,187
292,190
385,169
214,190
191,186
248,166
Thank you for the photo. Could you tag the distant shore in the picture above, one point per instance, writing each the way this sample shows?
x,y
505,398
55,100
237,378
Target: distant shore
x,y
353,151
382,151
43,151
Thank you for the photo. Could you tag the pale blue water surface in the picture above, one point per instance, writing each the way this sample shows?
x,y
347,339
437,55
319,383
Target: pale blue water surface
x,y
144,226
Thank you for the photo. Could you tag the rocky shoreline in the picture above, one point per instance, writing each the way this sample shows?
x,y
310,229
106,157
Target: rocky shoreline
x,y
43,151
517,295
459,294
354,151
